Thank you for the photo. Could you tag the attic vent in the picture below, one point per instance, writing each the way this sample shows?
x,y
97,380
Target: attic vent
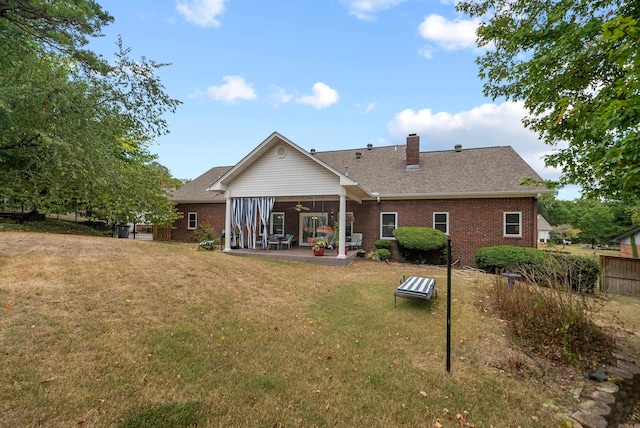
x,y
281,151
358,155
458,147
313,151
346,170
369,146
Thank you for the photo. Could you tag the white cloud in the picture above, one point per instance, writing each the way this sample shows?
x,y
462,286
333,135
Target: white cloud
x,y
487,125
366,109
450,35
234,89
366,9
203,13
280,96
427,52
323,96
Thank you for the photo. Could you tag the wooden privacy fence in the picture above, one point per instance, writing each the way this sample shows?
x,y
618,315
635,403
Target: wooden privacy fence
x,y
161,233
620,275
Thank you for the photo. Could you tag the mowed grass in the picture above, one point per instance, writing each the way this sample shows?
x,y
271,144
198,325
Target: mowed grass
x,y
110,332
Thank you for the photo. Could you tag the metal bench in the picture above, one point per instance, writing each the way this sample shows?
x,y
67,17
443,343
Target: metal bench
x,y
416,287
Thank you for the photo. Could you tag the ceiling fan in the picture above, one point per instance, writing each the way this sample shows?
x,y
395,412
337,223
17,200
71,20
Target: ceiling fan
x,y
299,207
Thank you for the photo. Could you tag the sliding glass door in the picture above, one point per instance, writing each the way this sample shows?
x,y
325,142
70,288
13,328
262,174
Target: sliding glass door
x,y
309,223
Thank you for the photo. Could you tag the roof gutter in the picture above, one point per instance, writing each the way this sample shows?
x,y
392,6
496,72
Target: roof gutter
x,y
468,195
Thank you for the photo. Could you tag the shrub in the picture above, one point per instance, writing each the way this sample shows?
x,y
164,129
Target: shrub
x,y
380,254
535,265
421,244
420,238
579,273
504,258
206,237
552,322
383,243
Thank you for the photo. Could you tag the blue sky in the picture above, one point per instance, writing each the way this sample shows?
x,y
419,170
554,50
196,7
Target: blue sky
x,y
328,75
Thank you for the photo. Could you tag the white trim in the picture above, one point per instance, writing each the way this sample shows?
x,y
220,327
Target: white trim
x,y
273,214
395,214
195,221
505,224
446,223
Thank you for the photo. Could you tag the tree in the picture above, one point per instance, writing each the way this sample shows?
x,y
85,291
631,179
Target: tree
x,y
59,25
75,135
555,211
576,66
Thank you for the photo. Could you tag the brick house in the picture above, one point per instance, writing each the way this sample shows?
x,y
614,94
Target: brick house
x,y
475,196
629,242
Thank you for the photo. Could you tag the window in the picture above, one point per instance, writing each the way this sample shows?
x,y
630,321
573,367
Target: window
x,y
276,225
388,223
512,224
192,221
441,222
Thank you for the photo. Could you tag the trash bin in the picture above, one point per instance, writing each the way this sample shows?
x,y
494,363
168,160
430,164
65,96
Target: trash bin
x,y
123,231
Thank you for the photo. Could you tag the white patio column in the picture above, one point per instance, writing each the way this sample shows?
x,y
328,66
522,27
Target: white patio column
x,y
227,223
342,226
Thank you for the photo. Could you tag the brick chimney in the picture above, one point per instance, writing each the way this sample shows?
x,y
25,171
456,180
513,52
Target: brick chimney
x,y
413,151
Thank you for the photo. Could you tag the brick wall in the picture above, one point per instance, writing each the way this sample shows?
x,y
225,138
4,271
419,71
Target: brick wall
x,y
473,223
210,213
626,250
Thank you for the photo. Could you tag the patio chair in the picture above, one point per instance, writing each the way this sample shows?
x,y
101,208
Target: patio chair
x,y
356,241
416,287
288,240
273,241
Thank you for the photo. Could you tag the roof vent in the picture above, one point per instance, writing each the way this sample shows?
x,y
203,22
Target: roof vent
x,y
358,155
346,170
313,151
369,146
458,147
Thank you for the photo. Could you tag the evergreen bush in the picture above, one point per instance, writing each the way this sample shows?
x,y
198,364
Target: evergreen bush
x,y
579,273
508,258
383,243
421,244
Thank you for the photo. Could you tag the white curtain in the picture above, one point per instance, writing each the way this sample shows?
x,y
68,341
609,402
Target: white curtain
x,y
265,207
251,210
237,221
245,212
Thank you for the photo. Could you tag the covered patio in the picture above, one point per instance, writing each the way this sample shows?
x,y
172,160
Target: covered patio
x,y
298,255
256,186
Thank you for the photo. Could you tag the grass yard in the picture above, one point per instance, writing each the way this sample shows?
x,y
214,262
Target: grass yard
x,y
99,332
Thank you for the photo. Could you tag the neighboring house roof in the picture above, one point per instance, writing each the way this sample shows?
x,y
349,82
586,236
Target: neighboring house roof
x,y
195,191
543,224
627,234
382,172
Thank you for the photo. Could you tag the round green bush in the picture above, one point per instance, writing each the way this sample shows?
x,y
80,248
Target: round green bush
x,y
383,254
383,243
504,258
421,244
420,238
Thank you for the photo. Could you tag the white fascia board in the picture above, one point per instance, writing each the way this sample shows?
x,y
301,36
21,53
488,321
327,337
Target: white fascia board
x,y
470,195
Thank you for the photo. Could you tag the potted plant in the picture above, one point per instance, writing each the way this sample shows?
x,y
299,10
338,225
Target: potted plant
x,y
318,246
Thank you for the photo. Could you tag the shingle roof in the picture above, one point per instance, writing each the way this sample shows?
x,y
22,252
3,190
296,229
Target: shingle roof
x,y
543,224
466,172
196,190
449,173
626,234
